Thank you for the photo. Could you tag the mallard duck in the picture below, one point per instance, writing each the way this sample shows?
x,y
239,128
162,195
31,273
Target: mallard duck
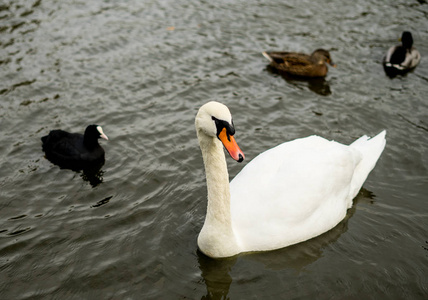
x,y
286,195
402,58
300,64
74,150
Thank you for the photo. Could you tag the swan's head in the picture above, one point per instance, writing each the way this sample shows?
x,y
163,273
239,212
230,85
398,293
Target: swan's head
x,y
214,120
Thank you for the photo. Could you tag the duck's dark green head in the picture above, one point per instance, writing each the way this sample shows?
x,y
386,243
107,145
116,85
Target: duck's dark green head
x,y
407,39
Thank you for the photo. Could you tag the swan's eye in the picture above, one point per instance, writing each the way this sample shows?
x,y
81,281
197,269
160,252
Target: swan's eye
x,y
220,124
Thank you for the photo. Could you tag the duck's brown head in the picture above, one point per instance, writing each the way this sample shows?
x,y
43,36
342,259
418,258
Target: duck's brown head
x,y
323,56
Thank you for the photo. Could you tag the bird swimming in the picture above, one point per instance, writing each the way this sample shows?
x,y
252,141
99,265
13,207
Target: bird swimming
x,y
286,195
74,150
401,58
300,64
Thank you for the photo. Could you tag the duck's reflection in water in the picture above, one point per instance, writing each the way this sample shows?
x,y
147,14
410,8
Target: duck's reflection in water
x,y
317,85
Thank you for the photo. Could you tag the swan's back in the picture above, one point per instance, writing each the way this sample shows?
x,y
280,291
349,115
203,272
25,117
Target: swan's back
x,y
298,190
371,149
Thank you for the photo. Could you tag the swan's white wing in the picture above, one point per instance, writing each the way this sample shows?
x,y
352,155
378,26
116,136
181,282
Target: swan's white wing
x,y
292,192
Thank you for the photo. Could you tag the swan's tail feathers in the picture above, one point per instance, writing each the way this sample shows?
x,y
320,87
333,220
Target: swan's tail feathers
x,y
370,149
265,54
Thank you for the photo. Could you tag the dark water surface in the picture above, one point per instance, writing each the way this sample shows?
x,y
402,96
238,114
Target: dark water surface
x,y
141,69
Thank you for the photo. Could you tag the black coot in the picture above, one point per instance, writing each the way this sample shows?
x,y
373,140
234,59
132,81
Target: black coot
x,y
74,150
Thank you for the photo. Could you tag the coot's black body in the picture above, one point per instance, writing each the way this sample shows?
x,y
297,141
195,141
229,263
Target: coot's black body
x,y
74,150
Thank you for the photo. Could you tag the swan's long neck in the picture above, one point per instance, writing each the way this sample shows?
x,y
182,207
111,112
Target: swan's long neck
x,y
217,230
218,209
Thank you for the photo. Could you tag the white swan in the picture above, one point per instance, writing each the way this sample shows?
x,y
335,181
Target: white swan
x,y
286,195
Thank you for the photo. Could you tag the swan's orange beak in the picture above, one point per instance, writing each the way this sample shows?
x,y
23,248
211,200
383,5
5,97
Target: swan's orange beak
x,y
231,146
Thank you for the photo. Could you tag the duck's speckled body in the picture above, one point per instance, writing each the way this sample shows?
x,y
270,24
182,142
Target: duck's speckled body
x,y
300,64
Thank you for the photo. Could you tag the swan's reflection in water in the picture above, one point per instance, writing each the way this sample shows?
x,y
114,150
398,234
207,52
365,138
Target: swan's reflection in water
x,y
317,85
216,272
216,275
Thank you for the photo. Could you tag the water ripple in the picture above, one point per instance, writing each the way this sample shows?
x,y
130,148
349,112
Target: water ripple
x,y
141,70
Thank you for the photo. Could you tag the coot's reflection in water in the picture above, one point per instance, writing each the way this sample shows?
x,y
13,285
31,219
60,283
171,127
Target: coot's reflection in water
x,y
217,272
318,85
91,173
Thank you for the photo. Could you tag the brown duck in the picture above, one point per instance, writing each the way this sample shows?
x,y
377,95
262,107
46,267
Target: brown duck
x,y
300,64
